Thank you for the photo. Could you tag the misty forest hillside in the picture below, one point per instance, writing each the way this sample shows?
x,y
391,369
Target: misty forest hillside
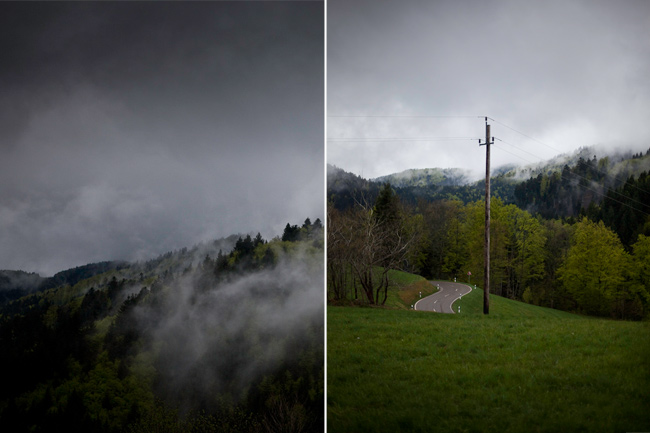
x,y
16,284
427,176
223,336
568,186
573,234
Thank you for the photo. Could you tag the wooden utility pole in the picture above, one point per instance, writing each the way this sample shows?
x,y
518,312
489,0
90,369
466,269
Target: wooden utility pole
x,y
486,277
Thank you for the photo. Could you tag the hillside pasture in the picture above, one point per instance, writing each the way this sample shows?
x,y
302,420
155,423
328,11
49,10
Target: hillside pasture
x,y
520,368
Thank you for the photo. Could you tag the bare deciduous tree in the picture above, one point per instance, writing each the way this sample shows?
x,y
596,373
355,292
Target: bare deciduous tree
x,y
368,242
337,255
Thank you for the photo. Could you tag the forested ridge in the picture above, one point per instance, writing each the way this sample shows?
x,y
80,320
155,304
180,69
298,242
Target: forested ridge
x,y
576,239
223,336
346,189
563,187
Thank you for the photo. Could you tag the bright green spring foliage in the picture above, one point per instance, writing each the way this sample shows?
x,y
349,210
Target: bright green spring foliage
x,y
517,242
572,266
641,268
595,272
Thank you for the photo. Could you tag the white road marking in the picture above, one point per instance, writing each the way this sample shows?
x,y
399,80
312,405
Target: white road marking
x,y
458,295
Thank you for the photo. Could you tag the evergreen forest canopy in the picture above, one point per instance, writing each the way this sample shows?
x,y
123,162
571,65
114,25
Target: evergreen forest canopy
x,y
224,336
574,237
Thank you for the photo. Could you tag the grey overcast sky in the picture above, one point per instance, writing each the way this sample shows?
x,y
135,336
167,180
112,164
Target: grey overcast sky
x,y
567,73
129,129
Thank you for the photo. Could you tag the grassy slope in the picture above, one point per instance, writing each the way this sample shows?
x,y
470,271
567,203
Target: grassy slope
x,y
522,368
406,290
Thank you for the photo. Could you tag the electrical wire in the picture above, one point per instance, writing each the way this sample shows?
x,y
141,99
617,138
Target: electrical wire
x,y
383,139
622,181
402,115
343,139
586,187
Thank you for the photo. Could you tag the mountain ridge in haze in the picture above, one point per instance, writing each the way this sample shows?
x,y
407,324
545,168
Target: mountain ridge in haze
x,y
559,187
457,176
427,176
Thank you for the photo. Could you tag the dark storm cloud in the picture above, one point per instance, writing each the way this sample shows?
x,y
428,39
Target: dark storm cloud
x,y
129,129
568,73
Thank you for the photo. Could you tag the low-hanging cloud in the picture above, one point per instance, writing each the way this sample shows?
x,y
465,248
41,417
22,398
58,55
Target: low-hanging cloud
x,y
134,129
222,339
569,74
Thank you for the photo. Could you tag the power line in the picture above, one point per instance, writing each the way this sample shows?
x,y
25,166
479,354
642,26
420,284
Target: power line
x,y
525,151
622,181
430,139
402,115
586,187
514,154
339,139
525,135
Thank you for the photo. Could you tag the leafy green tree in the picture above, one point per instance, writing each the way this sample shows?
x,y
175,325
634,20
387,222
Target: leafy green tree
x,y
370,241
455,250
594,271
470,254
440,218
526,254
550,293
338,260
640,270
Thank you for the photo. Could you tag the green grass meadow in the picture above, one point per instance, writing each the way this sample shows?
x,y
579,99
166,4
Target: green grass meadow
x,y
520,369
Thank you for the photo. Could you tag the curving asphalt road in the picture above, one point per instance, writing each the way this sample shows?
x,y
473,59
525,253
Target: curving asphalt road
x,y
440,302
